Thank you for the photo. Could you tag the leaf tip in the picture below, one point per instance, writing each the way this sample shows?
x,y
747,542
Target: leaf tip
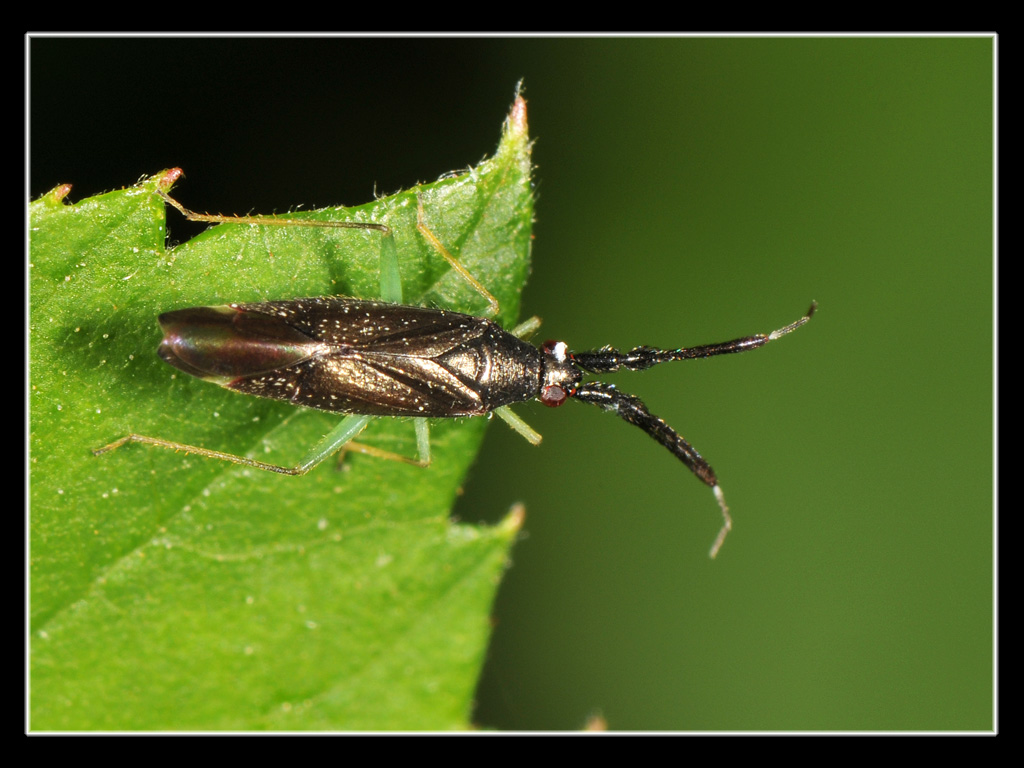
x,y
55,196
517,117
59,192
167,179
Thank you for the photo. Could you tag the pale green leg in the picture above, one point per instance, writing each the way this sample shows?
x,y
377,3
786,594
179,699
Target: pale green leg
x,y
527,328
332,442
390,277
423,440
507,415
522,331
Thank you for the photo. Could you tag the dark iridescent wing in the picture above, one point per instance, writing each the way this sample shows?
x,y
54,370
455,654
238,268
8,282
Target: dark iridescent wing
x,y
374,358
375,325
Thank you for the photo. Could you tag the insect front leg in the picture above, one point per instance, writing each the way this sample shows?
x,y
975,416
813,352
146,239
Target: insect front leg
x,y
506,414
527,328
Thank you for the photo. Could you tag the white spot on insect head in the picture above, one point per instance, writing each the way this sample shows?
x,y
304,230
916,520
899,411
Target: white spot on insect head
x,y
560,351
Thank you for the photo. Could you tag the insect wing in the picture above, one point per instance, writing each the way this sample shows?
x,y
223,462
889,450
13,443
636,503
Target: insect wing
x,y
220,344
372,358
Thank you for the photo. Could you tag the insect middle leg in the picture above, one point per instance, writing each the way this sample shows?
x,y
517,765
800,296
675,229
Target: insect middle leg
x,y
422,448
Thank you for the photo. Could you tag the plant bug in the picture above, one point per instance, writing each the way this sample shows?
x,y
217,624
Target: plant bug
x,y
384,358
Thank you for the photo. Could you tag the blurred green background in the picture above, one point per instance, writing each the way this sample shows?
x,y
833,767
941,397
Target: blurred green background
x,y
690,190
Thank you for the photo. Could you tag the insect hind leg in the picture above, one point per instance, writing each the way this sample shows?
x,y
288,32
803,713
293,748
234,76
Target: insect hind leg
x,y
266,221
331,443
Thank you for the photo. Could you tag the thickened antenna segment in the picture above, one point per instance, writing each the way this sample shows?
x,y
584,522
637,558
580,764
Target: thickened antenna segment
x,y
632,409
609,359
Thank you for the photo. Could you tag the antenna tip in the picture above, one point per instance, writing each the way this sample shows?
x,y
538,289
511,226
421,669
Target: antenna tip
x,y
726,522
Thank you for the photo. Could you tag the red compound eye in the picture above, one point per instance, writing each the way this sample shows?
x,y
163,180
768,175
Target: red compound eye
x,y
553,396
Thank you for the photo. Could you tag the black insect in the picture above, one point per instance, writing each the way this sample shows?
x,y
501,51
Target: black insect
x,y
382,358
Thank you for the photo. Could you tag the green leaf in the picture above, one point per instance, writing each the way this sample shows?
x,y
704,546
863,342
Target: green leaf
x,y
176,592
